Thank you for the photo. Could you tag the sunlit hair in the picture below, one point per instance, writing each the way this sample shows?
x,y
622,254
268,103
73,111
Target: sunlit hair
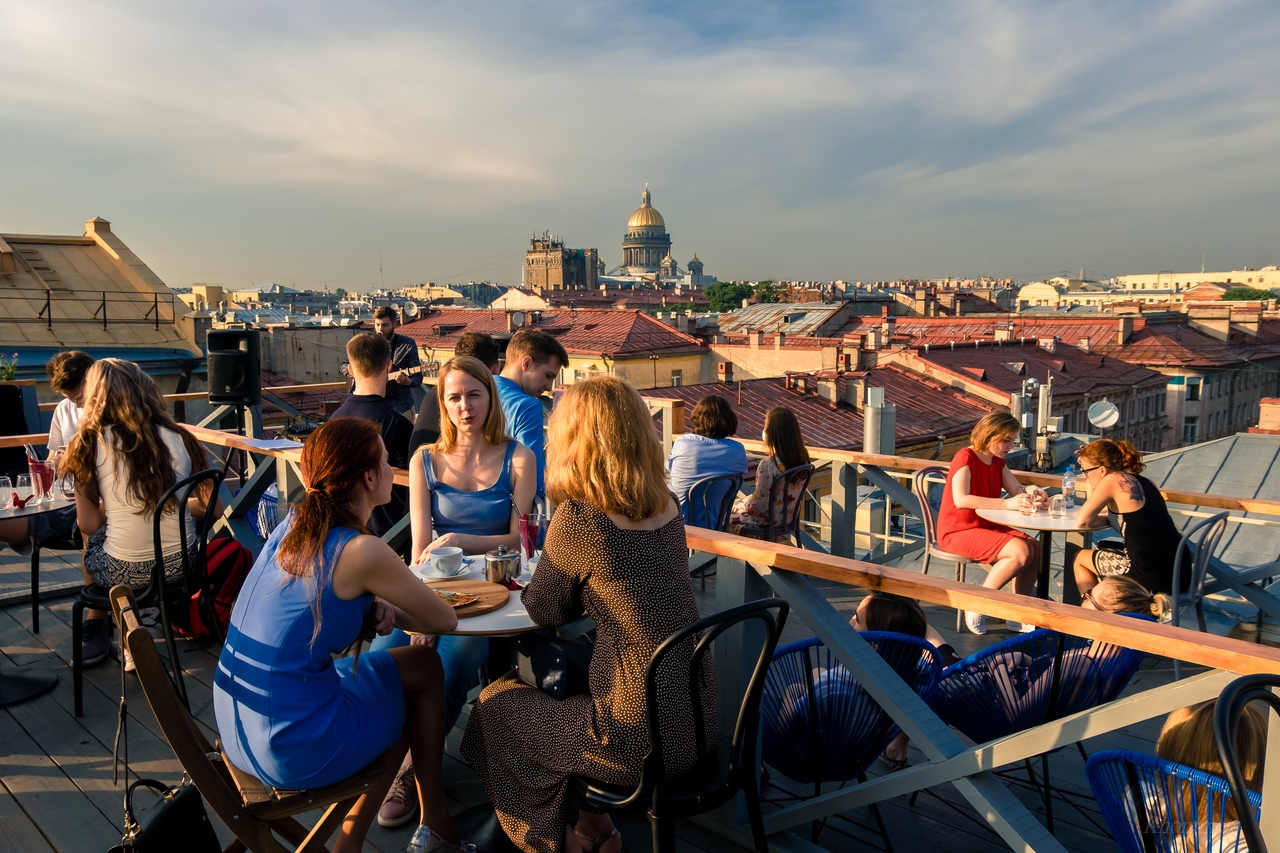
x,y
782,438
992,427
369,354
888,612
541,346
67,369
119,395
335,459
495,425
1188,738
1123,594
1114,455
713,417
603,450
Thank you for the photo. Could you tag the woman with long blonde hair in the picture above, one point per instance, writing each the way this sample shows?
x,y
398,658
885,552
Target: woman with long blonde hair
x,y
615,551
290,709
127,453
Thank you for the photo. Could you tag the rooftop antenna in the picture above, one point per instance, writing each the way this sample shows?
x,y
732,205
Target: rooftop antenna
x,y
382,284
1202,263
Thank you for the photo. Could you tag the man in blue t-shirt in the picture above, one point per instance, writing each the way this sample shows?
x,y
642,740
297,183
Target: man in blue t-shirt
x,y
534,361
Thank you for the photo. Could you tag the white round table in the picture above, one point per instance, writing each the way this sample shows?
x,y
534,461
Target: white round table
x,y
507,621
1046,525
59,502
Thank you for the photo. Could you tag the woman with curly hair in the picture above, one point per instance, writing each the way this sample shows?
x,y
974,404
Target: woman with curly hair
x,y
127,453
1113,471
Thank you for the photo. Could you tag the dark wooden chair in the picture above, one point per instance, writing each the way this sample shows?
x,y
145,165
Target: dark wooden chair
x,y
253,811
157,592
731,763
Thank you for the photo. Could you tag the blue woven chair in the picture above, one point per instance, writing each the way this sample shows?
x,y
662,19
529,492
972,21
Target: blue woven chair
x,y
709,504
1157,806
1029,680
820,725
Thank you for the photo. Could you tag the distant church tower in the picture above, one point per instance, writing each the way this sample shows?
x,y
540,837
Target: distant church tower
x,y
646,243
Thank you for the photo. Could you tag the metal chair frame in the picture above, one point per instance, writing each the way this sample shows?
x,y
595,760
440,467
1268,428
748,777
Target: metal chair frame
x,y
730,766
698,496
1226,716
789,524
920,488
1200,541
158,592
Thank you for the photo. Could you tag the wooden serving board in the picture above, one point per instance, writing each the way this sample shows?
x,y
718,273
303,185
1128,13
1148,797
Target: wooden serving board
x,y
492,596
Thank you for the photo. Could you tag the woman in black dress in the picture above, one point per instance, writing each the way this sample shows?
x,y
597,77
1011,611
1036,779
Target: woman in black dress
x,y
615,551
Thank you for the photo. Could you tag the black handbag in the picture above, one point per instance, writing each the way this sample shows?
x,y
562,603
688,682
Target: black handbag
x,y
1115,546
178,823
556,667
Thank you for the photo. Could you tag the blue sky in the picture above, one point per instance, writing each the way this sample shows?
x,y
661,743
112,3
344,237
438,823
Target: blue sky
x,y
239,142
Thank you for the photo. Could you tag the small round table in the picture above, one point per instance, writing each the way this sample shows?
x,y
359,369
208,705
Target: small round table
x,y
22,686
1042,522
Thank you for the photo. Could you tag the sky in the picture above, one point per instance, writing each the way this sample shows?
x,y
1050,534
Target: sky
x,y
390,143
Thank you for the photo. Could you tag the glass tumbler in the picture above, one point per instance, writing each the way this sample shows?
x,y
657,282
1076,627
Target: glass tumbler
x,y
6,493
1058,506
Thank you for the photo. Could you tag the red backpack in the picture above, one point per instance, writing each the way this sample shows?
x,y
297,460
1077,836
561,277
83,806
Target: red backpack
x,y
227,564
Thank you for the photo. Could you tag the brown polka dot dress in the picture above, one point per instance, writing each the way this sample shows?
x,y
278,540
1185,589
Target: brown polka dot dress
x,y
525,745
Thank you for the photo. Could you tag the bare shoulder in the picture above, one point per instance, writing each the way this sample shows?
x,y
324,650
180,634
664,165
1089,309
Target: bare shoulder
x,y
367,549
1128,486
523,455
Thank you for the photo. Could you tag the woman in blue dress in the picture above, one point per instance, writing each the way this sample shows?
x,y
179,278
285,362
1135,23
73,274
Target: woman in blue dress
x,y
466,491
287,711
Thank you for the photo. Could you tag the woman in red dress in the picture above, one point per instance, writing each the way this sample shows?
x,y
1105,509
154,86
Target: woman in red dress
x,y
976,480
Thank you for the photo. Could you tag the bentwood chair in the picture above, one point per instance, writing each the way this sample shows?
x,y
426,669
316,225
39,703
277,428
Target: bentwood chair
x,y
1029,680
786,523
1199,543
730,764
1156,806
920,483
250,809
1226,717
158,592
819,723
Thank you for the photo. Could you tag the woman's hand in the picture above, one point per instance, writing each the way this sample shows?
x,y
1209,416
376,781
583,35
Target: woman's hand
x,y
1018,501
383,617
449,540
1038,495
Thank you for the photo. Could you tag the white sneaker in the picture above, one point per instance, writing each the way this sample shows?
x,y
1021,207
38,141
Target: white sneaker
x,y
976,622
1019,627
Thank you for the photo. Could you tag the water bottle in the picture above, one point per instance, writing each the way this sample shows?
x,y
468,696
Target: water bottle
x,y
1069,486
421,840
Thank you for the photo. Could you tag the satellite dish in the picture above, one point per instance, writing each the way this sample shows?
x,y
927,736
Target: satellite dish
x,y
411,309
517,318
1104,414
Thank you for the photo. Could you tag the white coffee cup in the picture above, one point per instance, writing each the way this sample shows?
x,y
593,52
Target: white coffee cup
x,y
444,562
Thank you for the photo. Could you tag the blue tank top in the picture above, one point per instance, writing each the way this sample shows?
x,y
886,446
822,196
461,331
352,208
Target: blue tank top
x,y
483,513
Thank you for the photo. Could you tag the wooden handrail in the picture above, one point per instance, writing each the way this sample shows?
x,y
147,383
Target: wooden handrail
x,y
40,438
1164,640
239,442
191,396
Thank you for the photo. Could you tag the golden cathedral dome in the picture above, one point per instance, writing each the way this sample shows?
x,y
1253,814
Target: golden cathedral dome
x,y
646,216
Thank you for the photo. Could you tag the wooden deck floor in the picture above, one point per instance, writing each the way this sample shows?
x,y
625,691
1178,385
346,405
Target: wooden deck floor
x,y
56,791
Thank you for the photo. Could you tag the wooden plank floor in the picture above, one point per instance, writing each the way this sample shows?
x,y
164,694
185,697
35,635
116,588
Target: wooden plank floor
x,y
56,790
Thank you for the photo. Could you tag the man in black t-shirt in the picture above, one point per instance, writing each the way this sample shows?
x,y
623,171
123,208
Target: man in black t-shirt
x,y
370,355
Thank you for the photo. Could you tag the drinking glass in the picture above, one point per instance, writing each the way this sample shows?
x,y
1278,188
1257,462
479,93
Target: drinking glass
x,y
1027,506
6,493
22,491
533,535
1058,506
41,479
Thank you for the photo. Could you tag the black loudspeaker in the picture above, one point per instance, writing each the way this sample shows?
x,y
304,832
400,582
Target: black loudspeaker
x,y
234,366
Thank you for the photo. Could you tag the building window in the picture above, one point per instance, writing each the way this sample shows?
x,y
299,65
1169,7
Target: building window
x,y
677,378
1193,390
1190,430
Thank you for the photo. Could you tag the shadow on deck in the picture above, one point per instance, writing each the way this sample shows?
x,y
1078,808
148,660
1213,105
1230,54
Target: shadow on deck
x,y
56,790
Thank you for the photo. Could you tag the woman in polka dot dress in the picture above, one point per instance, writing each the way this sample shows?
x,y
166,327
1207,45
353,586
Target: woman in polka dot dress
x,y
616,551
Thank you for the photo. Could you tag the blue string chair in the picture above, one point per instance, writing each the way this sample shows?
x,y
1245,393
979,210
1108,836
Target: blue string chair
x,y
820,725
1029,680
709,504
1156,806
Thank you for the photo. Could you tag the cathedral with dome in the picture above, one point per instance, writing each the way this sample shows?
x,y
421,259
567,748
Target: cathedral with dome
x,y
646,248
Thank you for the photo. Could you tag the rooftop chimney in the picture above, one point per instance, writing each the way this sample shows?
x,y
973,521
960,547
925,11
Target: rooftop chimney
x,y
1124,330
780,339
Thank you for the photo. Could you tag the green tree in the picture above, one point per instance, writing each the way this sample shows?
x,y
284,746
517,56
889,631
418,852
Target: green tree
x,y
340,292
766,292
726,296
1247,294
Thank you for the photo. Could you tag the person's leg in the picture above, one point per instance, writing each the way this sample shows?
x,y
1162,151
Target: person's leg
x,y
462,658
596,833
1018,561
15,531
421,677
1085,572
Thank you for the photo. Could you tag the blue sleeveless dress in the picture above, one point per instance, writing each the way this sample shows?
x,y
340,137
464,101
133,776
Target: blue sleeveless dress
x,y
483,513
287,712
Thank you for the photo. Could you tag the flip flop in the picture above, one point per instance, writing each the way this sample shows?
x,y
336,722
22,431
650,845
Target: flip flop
x,y
593,845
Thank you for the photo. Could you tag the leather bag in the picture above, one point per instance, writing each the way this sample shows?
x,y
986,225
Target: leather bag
x,y
556,667
179,822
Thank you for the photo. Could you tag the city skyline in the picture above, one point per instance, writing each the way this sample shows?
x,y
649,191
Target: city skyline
x,y
252,142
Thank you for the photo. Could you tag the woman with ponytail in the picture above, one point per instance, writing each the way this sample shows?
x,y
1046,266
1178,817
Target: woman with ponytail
x,y
1123,594
1112,469
289,710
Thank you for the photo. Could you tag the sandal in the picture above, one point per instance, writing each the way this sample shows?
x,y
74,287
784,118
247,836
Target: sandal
x,y
594,845
894,764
